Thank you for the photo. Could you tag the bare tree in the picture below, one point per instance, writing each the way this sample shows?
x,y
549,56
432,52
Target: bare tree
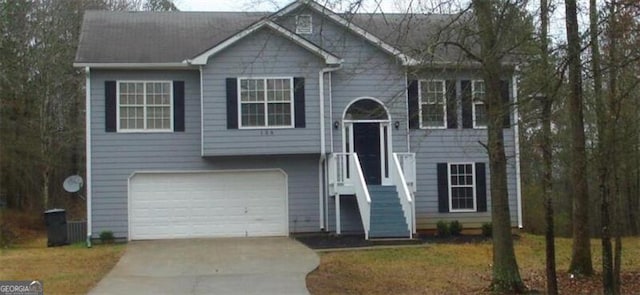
x,y
547,150
581,251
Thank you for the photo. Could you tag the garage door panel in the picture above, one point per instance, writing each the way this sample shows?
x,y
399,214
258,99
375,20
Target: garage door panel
x,y
219,204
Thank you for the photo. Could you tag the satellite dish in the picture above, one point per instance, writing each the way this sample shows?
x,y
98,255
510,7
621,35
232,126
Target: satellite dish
x,y
73,183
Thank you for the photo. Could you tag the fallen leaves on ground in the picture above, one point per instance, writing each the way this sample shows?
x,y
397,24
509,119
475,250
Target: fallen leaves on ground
x,y
72,269
458,269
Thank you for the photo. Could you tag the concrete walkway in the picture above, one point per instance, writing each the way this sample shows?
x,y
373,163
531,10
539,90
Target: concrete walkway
x,y
211,266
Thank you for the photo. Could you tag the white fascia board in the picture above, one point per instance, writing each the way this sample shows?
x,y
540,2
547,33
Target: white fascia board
x,y
122,65
327,56
406,60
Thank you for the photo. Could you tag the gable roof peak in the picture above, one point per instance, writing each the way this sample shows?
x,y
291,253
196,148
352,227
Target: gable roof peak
x,y
405,59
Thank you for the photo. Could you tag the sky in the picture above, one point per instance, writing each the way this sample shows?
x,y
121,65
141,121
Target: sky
x,y
557,30
268,5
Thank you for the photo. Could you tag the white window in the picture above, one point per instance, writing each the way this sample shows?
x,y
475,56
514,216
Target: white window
x,y
462,190
304,24
145,106
266,102
433,106
480,115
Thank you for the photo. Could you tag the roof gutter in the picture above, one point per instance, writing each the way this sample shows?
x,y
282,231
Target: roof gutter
x,y
123,65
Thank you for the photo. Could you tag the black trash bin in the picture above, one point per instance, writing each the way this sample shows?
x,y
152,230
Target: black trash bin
x,y
56,222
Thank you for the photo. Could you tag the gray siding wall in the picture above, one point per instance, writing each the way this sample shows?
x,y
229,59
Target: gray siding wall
x,y
367,71
115,156
261,54
433,146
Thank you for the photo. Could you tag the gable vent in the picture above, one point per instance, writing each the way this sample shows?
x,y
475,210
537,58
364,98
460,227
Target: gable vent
x,y
303,24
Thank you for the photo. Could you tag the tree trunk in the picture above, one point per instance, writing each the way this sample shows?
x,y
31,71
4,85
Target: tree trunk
x,y
552,282
603,152
614,114
581,251
45,188
506,276
547,156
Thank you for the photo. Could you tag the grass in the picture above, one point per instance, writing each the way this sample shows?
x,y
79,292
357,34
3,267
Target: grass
x,y
450,268
72,269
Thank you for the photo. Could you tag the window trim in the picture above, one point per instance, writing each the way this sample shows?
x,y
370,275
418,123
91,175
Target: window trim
x,y
266,102
474,103
444,104
473,187
145,130
304,32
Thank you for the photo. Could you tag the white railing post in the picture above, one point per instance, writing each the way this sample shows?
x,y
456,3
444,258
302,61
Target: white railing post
x,y
404,194
338,223
361,192
346,177
332,174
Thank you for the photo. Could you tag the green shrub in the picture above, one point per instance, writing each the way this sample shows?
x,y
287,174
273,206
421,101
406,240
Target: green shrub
x,y
487,229
106,237
455,228
443,229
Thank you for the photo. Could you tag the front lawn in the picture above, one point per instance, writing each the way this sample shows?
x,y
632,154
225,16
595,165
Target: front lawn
x,y
457,268
72,269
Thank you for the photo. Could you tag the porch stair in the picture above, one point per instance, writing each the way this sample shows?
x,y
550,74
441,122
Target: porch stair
x,y
387,217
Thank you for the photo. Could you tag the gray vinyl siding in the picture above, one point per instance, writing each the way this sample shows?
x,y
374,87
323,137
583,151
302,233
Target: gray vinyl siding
x,y
116,156
367,71
350,220
433,146
264,53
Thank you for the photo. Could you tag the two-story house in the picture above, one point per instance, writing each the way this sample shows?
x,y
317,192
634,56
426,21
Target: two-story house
x,y
222,124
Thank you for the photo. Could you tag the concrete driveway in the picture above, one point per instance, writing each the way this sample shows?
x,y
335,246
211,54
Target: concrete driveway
x,y
211,266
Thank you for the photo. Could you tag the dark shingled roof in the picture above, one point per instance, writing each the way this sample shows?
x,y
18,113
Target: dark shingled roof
x,y
172,37
420,36
155,37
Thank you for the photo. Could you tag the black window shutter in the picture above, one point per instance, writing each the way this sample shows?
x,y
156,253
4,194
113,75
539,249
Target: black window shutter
x,y
452,105
443,188
110,106
504,92
299,102
481,187
178,106
467,116
413,101
232,103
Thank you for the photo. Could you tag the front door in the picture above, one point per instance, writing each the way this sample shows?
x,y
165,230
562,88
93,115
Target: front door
x,y
366,143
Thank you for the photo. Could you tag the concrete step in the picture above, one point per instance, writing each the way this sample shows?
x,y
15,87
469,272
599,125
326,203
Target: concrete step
x,y
381,188
388,234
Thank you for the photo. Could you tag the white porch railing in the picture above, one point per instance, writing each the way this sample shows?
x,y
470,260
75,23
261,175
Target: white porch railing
x,y
346,177
338,179
408,165
405,196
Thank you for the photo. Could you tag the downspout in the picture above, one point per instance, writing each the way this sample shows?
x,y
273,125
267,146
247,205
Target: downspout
x,y
326,167
201,112
322,182
87,126
406,96
516,134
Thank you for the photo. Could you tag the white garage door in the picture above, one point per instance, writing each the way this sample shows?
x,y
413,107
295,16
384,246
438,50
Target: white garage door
x,y
216,204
